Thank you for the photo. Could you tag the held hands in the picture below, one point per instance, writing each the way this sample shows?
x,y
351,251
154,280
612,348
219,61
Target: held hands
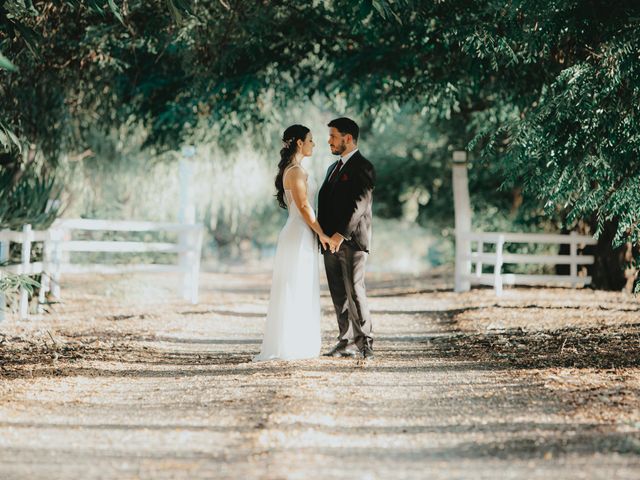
x,y
326,242
331,243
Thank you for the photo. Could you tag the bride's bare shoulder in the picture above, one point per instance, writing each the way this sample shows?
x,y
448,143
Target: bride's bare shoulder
x,y
294,174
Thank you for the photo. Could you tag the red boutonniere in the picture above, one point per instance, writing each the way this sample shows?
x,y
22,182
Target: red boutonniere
x,y
344,177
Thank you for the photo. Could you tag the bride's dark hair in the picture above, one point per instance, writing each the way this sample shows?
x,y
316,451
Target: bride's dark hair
x,y
290,139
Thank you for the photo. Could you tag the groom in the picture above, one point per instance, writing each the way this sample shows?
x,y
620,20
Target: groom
x,y
344,213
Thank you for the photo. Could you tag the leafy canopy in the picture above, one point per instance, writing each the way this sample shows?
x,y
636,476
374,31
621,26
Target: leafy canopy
x,y
544,91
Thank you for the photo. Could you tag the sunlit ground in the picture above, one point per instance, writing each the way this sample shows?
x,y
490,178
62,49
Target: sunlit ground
x,y
123,380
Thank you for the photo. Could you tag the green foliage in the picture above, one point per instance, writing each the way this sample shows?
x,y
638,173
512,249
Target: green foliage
x,y
547,92
28,195
6,64
8,140
10,284
579,147
544,93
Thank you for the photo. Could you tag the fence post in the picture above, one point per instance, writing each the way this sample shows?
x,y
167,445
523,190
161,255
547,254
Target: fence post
x,y
27,236
185,261
462,208
4,256
57,235
186,258
479,262
573,252
186,216
45,275
44,288
65,255
195,264
497,269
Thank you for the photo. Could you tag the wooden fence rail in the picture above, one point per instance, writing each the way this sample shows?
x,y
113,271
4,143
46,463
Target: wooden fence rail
x,y
498,258
58,243
466,256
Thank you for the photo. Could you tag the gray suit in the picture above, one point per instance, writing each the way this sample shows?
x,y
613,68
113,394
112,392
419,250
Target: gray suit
x,y
344,206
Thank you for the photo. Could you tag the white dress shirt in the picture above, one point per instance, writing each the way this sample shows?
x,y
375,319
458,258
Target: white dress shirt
x,y
347,157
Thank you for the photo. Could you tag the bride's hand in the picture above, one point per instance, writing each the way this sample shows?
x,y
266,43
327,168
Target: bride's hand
x,y
325,241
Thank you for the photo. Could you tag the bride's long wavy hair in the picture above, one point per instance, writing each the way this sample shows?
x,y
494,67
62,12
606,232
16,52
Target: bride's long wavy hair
x,y
290,139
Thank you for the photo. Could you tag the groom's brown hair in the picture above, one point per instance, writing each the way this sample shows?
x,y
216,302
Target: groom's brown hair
x,y
345,125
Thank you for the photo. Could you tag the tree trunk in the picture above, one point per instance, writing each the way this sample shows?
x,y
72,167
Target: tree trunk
x,y
608,270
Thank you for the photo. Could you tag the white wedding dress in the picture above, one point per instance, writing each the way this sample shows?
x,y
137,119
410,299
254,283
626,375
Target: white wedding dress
x,y
292,329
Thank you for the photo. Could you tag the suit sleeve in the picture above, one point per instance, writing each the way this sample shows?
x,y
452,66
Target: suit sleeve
x,y
363,185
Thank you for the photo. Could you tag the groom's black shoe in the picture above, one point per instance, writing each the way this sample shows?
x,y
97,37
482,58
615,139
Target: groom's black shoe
x,y
367,353
335,351
341,350
350,352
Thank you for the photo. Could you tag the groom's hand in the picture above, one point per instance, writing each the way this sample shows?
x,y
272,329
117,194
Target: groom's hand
x,y
336,241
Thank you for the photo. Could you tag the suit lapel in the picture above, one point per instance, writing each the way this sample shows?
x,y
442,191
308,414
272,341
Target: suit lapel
x,y
346,168
330,170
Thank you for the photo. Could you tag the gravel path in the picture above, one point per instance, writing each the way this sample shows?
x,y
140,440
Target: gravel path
x,y
532,385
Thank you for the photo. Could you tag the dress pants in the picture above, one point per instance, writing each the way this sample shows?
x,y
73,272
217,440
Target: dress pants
x,y
345,276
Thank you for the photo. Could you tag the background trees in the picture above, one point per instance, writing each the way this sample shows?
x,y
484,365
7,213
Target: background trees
x,y
544,94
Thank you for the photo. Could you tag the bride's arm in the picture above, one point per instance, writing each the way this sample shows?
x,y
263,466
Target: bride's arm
x,y
299,192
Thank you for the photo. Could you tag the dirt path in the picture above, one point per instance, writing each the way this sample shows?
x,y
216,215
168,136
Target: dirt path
x,y
539,384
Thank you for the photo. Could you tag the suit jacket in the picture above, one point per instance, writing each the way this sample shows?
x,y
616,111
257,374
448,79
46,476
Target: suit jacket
x,y
344,204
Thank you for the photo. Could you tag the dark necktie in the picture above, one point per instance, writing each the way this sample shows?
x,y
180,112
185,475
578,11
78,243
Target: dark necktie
x,y
334,174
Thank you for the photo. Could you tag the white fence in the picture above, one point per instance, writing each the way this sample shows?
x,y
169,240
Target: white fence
x,y
466,257
26,237
58,244
465,277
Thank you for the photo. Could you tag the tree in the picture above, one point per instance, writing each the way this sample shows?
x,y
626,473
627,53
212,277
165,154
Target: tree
x,y
546,89
543,92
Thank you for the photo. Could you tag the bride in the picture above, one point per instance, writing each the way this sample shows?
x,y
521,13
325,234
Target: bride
x,y
292,329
